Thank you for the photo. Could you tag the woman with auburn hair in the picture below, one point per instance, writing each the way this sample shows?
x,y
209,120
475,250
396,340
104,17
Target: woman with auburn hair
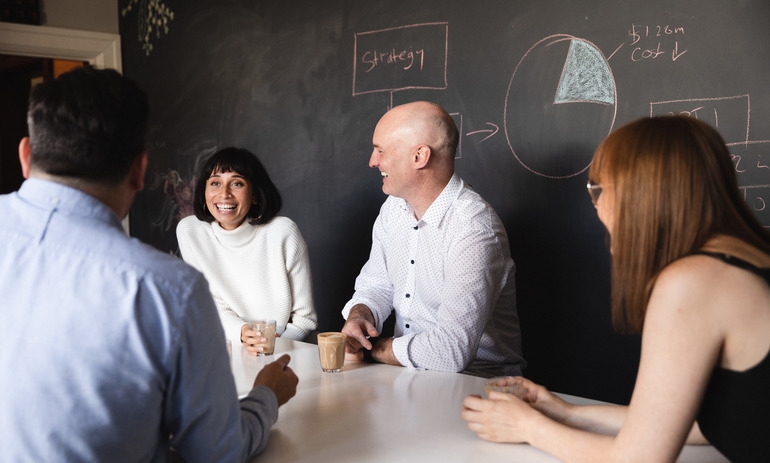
x,y
691,272
255,261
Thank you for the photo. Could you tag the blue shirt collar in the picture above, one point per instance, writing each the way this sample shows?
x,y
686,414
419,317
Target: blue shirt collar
x,y
48,194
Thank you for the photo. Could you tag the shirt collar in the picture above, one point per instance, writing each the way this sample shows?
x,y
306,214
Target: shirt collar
x,y
442,203
48,194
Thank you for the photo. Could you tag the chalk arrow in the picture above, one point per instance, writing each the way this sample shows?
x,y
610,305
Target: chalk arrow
x,y
675,54
491,131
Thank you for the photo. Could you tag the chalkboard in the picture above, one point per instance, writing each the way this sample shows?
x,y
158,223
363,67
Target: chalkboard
x,y
534,86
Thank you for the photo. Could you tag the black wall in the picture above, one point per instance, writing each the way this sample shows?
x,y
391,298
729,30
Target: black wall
x,y
534,86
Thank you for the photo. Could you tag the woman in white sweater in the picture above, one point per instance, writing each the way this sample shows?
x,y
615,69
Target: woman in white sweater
x,y
256,262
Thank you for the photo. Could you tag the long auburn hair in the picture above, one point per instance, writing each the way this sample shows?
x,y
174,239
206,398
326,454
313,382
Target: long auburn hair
x,y
675,188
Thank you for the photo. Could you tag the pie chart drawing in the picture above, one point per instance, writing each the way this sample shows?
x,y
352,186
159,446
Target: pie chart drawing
x,y
560,104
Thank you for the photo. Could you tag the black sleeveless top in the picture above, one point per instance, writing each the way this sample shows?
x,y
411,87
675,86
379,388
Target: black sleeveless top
x,y
735,413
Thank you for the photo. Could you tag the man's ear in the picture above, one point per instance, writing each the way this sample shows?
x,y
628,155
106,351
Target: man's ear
x,y
422,156
138,171
25,151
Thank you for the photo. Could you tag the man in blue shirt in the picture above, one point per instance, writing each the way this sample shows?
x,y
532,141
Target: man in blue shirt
x,y
109,350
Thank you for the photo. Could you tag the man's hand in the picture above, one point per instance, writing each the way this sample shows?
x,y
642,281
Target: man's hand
x,y
359,327
280,378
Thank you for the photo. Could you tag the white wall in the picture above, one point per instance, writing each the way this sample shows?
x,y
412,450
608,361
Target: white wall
x,y
87,15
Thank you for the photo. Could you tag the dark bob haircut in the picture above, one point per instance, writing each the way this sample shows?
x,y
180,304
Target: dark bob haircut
x,y
267,199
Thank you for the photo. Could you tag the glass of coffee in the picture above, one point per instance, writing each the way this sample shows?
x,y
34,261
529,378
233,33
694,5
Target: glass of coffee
x,y
507,384
331,351
267,329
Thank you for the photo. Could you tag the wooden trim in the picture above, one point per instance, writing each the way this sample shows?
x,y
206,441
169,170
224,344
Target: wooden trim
x,y
100,49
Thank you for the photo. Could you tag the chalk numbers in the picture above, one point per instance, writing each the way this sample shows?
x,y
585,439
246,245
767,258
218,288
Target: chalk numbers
x,y
654,42
756,194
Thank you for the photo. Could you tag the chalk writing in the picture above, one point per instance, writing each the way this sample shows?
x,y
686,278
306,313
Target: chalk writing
x,y
400,58
730,115
759,204
654,42
736,158
761,164
753,175
638,32
404,58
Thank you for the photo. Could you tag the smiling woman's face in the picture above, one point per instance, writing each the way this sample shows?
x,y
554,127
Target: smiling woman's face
x,y
229,198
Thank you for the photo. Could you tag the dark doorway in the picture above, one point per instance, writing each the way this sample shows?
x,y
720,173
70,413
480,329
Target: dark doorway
x,y
17,76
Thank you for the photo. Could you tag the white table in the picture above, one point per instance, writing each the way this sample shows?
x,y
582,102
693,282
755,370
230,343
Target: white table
x,y
382,413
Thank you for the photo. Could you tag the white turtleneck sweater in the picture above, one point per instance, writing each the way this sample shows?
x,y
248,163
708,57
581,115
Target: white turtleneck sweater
x,y
254,271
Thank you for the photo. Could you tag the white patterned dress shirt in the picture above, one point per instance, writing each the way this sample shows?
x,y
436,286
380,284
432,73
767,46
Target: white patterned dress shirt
x,y
450,279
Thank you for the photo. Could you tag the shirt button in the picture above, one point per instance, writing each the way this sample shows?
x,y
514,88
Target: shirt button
x,y
407,325
407,295
415,227
412,261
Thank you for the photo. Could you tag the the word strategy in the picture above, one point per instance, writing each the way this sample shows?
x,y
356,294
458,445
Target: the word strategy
x,y
404,58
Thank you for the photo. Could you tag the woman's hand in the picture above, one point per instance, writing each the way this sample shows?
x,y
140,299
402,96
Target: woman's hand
x,y
501,418
544,401
508,418
252,340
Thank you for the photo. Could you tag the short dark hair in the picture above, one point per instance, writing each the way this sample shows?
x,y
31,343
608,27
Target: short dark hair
x,y
88,124
267,198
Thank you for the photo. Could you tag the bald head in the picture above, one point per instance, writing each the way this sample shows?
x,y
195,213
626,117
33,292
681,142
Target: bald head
x,y
414,150
423,122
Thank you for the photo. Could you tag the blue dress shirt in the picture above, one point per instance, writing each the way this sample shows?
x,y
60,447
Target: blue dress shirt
x,y
109,347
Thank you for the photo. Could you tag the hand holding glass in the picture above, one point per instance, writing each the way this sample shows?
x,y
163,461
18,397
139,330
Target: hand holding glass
x,y
265,329
507,384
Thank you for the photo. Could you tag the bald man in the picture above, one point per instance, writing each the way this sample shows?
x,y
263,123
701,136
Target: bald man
x,y
439,259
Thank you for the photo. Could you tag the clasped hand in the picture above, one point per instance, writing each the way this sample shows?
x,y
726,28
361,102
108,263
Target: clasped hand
x,y
252,340
507,418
